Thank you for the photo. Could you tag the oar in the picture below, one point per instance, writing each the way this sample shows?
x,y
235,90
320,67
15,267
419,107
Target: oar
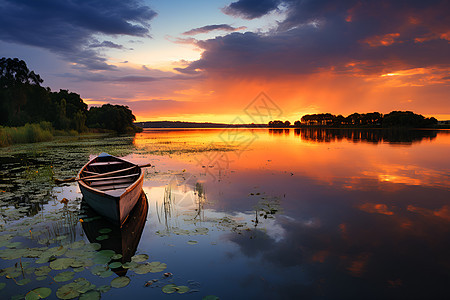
x,y
73,179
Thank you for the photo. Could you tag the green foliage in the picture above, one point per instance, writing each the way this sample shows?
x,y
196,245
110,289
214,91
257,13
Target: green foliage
x,y
114,117
23,101
30,133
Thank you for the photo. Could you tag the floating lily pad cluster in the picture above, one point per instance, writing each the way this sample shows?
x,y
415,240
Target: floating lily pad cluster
x,y
267,207
62,260
173,288
40,240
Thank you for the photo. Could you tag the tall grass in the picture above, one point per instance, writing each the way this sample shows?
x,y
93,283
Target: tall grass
x,y
30,133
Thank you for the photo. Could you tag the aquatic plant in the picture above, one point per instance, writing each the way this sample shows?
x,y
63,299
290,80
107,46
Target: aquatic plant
x,y
29,133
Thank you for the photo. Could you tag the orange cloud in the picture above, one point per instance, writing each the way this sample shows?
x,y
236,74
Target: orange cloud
x,y
382,40
376,208
443,212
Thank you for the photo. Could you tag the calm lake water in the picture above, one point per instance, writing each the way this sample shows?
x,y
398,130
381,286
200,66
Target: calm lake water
x,y
236,214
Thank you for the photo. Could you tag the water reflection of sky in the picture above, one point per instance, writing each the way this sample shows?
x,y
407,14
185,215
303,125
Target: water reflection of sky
x,y
258,214
354,220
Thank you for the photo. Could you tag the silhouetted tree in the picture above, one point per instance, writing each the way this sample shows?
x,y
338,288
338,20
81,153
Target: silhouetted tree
x,y
279,124
114,117
22,99
407,119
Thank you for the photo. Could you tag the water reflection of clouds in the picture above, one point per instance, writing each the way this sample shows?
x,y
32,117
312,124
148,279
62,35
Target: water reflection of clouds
x,y
410,175
358,220
185,204
365,255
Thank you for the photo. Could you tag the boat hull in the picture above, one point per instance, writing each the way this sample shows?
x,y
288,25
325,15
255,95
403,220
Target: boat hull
x,y
113,204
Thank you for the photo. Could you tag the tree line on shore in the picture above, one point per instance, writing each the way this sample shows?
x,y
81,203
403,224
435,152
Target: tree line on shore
x,y
406,119
24,101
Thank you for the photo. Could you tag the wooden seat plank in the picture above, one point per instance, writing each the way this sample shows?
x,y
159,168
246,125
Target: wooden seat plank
x,y
111,182
113,187
111,178
90,173
106,163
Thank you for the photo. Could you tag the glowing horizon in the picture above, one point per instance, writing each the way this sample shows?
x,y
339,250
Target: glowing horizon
x,y
209,67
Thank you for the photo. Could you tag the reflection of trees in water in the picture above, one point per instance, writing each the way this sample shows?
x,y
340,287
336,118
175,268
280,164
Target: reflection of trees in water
x,y
365,135
278,131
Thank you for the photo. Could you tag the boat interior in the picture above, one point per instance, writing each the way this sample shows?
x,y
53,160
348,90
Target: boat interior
x,y
110,173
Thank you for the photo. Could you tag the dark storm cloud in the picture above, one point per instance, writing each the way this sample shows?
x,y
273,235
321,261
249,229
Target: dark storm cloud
x,y
208,28
68,27
106,44
251,9
350,36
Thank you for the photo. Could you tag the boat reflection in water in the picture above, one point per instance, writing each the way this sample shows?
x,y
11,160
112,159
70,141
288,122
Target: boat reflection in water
x,y
121,239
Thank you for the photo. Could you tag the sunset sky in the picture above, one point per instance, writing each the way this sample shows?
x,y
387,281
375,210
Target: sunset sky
x,y
210,60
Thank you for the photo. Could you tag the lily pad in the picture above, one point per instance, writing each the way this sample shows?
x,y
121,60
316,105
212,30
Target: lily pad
x,y
153,267
105,230
104,288
102,237
96,270
43,259
172,288
68,291
107,253
83,285
77,270
91,295
115,265
130,265
13,274
40,278
39,293
56,251
101,260
77,263
64,276
181,289
61,263
106,273
77,245
169,288
139,258
13,245
191,242
41,271
23,281
117,256
120,282
87,220
93,246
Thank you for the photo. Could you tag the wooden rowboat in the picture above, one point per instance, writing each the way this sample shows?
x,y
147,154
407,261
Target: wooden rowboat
x,y
111,186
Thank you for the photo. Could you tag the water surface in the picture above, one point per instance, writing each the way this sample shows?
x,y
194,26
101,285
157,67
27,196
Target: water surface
x,y
248,214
